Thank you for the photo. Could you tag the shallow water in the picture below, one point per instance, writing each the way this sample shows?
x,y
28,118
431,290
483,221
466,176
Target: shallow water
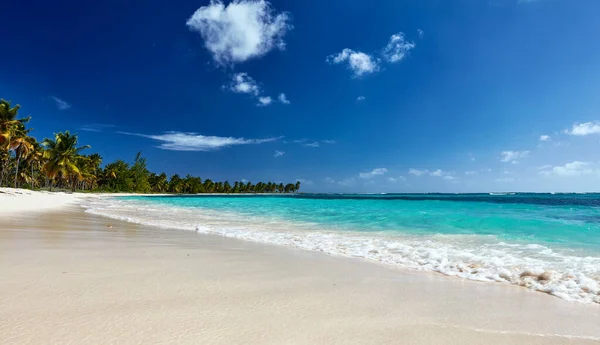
x,y
546,242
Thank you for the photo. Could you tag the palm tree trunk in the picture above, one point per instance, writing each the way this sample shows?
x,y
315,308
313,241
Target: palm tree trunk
x,y
17,167
3,173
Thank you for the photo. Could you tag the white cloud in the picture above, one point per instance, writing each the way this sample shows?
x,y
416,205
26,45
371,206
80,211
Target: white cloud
x,y
313,143
305,182
360,98
264,101
60,104
575,168
243,83
396,179
346,182
359,62
283,99
417,172
362,63
505,179
544,137
512,156
421,33
582,129
181,141
476,172
95,127
397,48
242,30
434,173
471,157
373,173
278,154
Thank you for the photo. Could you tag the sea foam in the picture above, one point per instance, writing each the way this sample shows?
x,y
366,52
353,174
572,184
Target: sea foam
x,y
477,257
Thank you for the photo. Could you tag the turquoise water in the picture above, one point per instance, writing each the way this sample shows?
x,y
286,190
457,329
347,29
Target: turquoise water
x,y
572,221
507,238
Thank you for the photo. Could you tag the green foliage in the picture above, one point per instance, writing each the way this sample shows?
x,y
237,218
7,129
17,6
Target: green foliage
x,y
59,163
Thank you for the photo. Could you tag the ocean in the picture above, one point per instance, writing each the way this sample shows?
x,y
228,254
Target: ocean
x,y
545,242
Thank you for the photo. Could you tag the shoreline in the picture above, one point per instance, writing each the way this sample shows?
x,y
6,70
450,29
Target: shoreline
x,y
165,286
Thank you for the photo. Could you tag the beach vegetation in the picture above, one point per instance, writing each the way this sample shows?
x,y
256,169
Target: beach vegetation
x,y
62,163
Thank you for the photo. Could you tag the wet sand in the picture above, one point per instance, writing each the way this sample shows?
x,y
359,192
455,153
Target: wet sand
x,y
68,278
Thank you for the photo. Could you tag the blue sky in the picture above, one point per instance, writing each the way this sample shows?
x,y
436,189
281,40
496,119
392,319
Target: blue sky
x,y
347,96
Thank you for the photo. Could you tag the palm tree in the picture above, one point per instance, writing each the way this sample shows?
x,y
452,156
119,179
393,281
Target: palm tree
x,y
297,186
10,127
63,158
22,146
34,161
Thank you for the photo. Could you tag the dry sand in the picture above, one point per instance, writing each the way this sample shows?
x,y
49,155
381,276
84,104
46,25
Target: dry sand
x,y
67,278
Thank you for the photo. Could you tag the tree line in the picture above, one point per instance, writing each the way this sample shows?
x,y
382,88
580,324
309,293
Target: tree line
x,y
59,162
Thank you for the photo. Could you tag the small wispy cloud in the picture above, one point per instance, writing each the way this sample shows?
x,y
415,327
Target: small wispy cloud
x,y
243,83
583,129
504,179
373,173
358,62
434,173
512,156
283,98
186,141
397,48
61,104
396,179
95,127
360,98
313,143
305,181
476,172
278,154
242,30
421,33
544,137
345,182
264,101
361,63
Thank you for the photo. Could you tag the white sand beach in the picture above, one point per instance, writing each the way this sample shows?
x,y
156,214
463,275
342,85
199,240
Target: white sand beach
x,y
69,277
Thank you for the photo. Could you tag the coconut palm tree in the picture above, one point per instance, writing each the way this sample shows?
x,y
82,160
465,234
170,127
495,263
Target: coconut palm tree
x,y
10,127
21,144
63,158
